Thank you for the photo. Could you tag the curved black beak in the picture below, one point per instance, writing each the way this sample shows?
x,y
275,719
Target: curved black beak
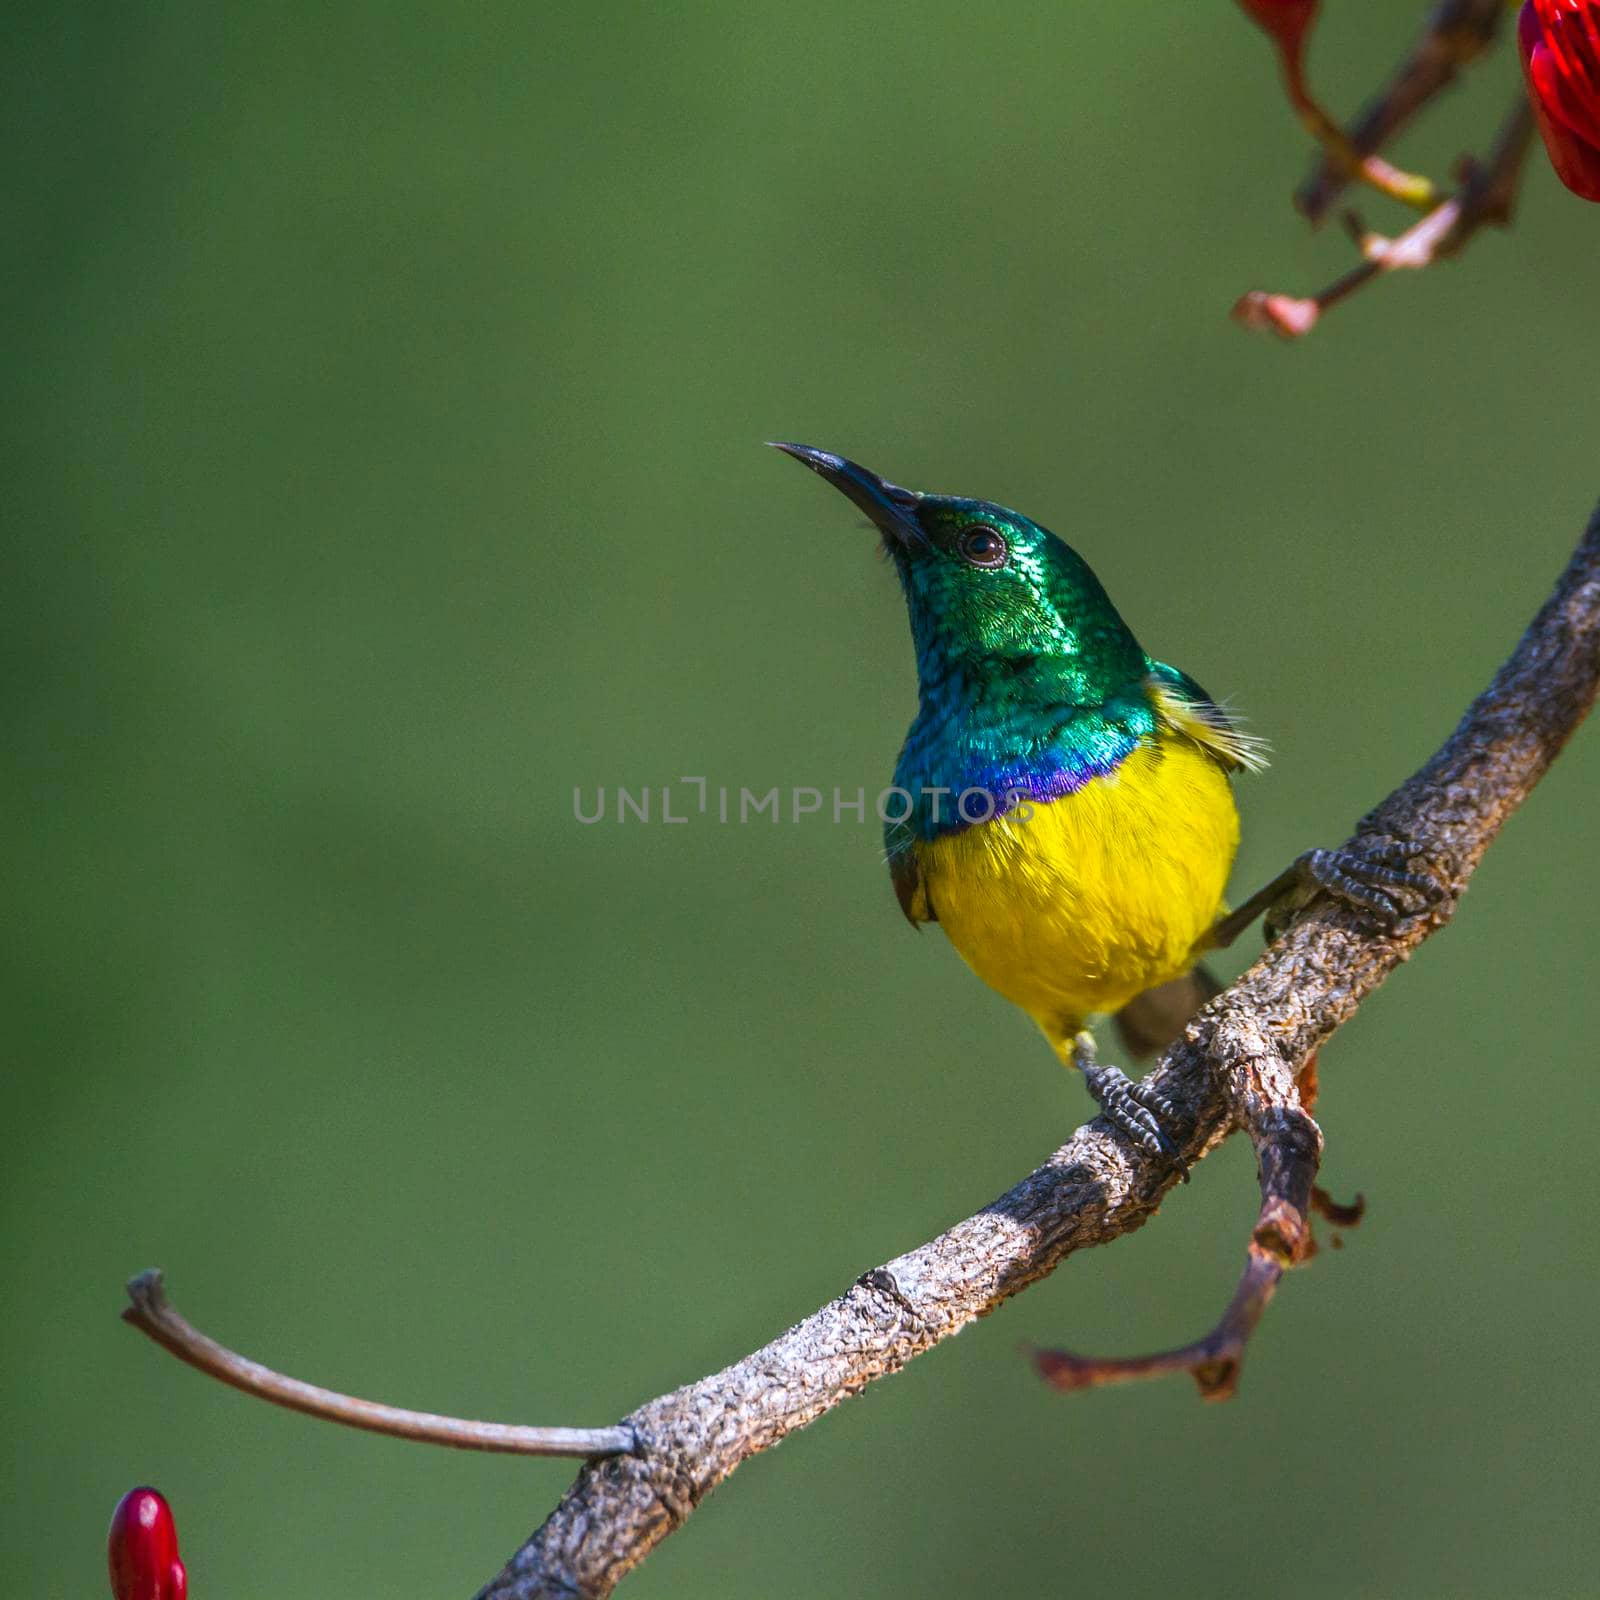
x,y
892,509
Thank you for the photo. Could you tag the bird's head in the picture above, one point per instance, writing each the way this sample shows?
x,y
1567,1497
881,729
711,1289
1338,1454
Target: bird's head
x,y
992,595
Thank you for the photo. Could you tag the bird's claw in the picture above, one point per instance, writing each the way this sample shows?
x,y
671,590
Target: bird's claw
x,y
1373,883
1135,1109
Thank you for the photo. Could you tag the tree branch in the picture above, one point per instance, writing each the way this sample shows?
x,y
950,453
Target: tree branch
x,y
1235,1068
152,1313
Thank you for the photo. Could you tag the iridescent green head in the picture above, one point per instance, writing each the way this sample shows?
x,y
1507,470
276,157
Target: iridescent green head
x,y
999,606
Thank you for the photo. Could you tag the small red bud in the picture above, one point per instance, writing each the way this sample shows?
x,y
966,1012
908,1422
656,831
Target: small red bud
x,y
1281,314
1288,21
1559,41
143,1549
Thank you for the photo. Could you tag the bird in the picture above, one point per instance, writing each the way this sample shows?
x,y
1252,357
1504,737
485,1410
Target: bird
x,y
1063,803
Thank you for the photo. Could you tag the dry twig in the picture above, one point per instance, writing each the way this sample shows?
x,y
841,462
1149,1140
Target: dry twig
x,y
150,1311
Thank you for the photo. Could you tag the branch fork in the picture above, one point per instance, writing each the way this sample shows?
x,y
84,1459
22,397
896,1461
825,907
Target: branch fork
x,y
1456,33
1288,1150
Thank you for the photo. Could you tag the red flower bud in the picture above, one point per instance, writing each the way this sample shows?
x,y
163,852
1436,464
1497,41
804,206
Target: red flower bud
x,y
1288,21
143,1548
1560,45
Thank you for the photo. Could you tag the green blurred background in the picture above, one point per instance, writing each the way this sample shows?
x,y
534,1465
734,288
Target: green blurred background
x,y
385,391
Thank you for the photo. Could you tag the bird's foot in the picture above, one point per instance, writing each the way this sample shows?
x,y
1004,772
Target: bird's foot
x,y
1134,1109
1375,883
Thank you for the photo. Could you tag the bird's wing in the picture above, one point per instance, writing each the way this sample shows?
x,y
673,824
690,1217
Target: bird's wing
x,y
1189,710
905,872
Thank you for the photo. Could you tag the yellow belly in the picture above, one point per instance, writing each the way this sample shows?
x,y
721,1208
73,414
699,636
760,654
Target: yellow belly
x,y
1095,897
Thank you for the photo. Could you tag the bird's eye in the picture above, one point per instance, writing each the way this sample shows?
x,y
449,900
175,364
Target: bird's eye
x,y
983,546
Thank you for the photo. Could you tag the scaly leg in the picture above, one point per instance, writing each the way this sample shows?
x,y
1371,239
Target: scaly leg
x,y
1133,1108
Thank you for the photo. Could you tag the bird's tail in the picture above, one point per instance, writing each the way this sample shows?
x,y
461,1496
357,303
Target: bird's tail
x,y
1152,1020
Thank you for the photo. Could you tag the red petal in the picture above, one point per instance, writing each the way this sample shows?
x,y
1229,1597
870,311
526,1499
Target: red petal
x,y
1571,30
1566,104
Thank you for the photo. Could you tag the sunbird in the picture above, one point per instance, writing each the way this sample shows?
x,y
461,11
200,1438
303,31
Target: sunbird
x,y
1069,814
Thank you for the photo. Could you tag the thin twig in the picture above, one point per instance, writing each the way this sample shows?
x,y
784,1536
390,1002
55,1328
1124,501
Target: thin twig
x,y
1486,197
1455,33
152,1313
1409,188
1236,1067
